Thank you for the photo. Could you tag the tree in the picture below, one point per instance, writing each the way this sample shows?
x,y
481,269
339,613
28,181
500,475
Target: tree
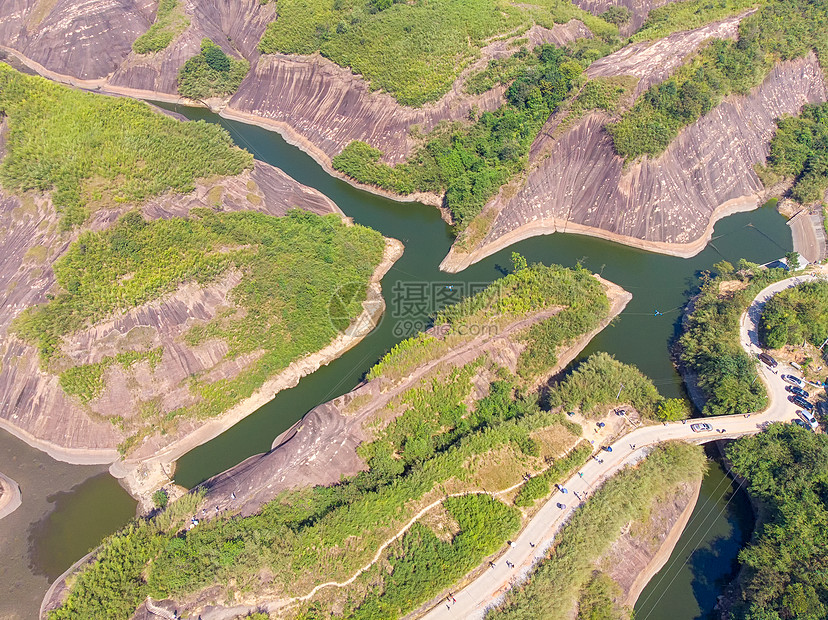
x,y
160,499
518,262
215,57
672,409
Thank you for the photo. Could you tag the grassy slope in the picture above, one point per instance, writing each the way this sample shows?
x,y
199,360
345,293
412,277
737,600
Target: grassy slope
x,y
92,151
438,441
556,582
292,268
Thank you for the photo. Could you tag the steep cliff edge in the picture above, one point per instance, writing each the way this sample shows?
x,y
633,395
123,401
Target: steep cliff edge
x,y
669,204
35,407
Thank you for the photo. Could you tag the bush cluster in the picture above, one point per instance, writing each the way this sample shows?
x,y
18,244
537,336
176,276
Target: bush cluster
x,y
786,469
92,151
212,73
799,149
780,30
710,348
170,21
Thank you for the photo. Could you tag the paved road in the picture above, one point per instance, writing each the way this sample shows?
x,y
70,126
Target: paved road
x,y
539,533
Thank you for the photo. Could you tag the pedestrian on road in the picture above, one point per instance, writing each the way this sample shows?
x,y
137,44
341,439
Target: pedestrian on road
x,y
492,564
581,474
600,461
531,544
632,445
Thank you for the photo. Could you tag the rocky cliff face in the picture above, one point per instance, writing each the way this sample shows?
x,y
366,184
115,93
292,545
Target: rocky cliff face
x,y
653,62
668,204
32,401
86,39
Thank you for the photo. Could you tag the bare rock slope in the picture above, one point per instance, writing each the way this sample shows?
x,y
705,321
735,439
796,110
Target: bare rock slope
x,y
32,403
668,204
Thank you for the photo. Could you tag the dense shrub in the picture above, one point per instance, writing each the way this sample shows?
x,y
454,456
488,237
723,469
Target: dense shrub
x,y
796,315
92,150
710,349
212,73
595,384
799,149
170,21
786,469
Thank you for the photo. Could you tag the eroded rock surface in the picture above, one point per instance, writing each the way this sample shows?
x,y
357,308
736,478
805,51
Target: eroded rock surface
x,y
668,204
653,62
32,401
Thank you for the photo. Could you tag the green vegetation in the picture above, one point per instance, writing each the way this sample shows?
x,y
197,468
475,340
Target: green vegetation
x,y
170,21
212,73
688,15
531,289
111,585
618,15
673,409
799,149
783,572
557,582
435,440
469,162
540,485
595,384
413,50
795,315
92,150
597,599
160,499
292,267
422,564
710,348
778,31
87,381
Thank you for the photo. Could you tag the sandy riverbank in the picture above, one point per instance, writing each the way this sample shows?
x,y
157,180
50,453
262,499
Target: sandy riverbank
x,y
456,261
142,476
10,496
665,550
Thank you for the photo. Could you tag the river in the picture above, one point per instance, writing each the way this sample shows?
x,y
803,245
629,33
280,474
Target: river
x,y
639,336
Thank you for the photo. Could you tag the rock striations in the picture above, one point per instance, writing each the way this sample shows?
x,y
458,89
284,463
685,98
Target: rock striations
x,y
668,204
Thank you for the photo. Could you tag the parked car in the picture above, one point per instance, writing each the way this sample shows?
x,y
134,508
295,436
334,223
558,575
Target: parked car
x,y
809,419
799,422
797,390
792,380
801,402
700,427
768,360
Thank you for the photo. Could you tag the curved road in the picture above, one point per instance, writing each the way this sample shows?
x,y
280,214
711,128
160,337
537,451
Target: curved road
x,y
540,531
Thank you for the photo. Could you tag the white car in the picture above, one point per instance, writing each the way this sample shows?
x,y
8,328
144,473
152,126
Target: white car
x,y
809,419
793,380
702,426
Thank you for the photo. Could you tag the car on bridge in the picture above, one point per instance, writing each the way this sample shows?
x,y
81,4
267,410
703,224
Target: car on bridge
x,y
700,427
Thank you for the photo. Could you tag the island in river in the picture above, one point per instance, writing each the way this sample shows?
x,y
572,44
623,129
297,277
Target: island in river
x,y
153,300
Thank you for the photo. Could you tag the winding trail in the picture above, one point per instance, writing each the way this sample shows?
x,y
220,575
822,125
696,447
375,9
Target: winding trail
x,y
490,586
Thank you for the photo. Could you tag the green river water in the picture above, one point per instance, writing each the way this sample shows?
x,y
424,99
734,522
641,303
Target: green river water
x,y
53,529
